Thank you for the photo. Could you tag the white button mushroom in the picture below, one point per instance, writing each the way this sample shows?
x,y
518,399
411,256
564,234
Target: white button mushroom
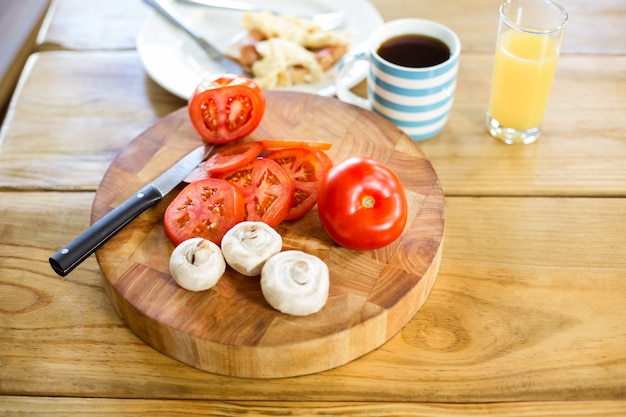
x,y
247,245
197,264
295,283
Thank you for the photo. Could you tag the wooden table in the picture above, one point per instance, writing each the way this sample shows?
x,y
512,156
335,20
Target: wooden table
x,y
528,313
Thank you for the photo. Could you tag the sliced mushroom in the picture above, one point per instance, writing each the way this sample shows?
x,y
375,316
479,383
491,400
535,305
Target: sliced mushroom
x,y
295,282
197,264
247,245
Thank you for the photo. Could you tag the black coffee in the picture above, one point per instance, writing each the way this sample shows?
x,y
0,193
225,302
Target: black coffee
x,y
416,51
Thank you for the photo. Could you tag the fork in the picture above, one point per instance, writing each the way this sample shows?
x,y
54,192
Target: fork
x,y
165,8
327,21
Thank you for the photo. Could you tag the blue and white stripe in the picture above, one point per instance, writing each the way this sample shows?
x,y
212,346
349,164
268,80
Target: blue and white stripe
x,y
416,100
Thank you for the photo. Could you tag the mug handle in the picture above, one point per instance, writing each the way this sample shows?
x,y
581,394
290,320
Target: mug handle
x,y
345,65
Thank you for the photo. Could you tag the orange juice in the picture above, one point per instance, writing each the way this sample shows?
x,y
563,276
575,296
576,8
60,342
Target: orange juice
x,y
522,79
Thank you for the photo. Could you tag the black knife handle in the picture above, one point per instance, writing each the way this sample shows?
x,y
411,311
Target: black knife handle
x,y
79,249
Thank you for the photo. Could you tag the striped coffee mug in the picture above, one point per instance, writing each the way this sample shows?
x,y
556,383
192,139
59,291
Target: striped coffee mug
x,y
417,99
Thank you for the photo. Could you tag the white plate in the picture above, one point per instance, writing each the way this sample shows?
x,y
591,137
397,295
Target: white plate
x,y
174,61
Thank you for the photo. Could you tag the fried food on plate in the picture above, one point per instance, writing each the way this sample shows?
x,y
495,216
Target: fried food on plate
x,y
282,51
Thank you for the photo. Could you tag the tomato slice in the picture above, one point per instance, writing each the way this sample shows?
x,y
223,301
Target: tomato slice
x,y
325,159
273,144
267,190
306,170
226,159
206,208
225,107
232,157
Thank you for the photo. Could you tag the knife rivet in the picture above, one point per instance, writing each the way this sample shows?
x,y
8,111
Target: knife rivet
x,y
65,251
140,195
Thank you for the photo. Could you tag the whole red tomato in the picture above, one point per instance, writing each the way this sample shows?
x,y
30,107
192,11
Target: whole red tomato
x,y
362,204
226,107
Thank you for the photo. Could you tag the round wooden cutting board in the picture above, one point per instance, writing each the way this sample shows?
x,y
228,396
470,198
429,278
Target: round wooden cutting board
x,y
231,329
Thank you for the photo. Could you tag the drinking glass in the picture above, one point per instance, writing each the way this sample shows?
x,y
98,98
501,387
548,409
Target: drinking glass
x,y
527,50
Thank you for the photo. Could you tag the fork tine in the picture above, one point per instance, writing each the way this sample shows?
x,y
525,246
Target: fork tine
x,y
330,21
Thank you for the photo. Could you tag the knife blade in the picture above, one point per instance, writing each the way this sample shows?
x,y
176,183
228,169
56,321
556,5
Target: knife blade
x,y
79,249
228,65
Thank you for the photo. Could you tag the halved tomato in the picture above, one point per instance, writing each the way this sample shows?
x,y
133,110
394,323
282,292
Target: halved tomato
x,y
206,208
267,189
226,107
306,168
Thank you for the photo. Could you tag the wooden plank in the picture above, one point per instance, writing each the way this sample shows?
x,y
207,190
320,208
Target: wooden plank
x,y
594,28
84,123
51,407
582,150
528,306
114,24
84,118
93,25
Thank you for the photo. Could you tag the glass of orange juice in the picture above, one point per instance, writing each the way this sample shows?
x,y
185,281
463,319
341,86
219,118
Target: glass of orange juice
x,y
527,50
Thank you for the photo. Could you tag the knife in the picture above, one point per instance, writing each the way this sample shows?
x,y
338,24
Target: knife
x,y
229,65
79,249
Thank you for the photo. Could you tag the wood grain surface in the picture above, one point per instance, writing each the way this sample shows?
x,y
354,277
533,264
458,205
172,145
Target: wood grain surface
x,y
231,329
521,311
113,407
86,124
526,316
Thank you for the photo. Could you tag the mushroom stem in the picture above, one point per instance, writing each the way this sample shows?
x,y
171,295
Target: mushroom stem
x,y
197,264
300,272
248,245
296,283
199,254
